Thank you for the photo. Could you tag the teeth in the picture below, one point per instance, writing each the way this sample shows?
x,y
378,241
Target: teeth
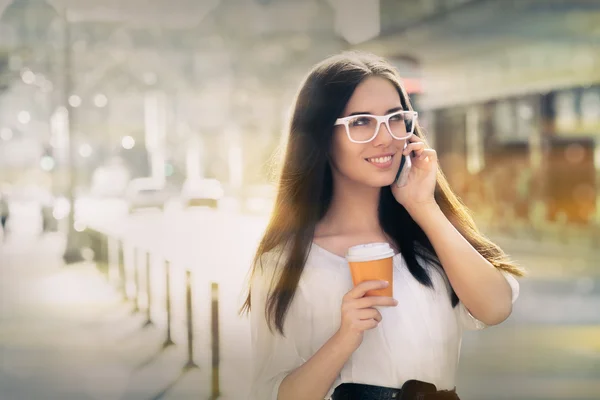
x,y
380,160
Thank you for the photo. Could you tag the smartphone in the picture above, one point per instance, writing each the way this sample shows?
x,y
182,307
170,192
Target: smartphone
x,y
403,171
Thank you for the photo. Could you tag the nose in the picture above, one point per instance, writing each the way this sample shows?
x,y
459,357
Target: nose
x,y
384,137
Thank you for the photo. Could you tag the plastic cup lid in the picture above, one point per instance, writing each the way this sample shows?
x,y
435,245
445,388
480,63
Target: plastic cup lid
x,y
369,252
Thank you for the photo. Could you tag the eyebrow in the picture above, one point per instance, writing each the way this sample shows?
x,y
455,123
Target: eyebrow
x,y
391,110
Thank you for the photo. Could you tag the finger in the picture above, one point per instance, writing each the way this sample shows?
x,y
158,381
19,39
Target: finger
x,y
413,138
429,154
372,301
369,313
414,145
362,288
367,324
417,147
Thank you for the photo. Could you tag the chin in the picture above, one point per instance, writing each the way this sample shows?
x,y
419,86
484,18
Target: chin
x,y
388,182
382,181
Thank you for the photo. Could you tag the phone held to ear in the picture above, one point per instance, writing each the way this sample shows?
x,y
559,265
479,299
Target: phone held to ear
x,y
403,171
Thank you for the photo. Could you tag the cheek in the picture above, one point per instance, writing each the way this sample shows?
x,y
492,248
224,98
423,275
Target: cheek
x,y
345,155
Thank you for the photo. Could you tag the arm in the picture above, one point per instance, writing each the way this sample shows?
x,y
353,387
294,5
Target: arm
x,y
481,287
314,378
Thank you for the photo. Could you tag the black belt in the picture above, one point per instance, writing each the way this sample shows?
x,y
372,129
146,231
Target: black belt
x,y
411,390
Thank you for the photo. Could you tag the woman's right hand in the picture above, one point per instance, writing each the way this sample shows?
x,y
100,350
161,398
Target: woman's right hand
x,y
359,313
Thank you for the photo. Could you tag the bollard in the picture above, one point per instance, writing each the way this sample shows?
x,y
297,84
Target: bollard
x,y
95,242
98,246
121,266
113,254
190,320
105,254
136,279
168,341
215,387
148,292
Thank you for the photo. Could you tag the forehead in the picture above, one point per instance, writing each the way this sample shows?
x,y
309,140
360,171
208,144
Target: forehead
x,y
374,95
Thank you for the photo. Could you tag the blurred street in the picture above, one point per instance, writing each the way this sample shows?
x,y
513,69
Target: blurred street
x,y
67,329
140,143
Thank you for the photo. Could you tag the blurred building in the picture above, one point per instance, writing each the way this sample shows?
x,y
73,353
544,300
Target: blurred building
x,y
511,98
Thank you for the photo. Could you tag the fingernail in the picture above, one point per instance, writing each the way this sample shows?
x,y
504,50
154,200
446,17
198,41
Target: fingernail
x,y
385,283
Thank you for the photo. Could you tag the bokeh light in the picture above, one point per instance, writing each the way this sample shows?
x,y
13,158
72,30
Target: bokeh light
x,y
47,163
100,100
79,226
127,142
24,117
85,150
6,133
75,101
28,76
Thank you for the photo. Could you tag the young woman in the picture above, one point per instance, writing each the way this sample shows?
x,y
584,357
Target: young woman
x,y
315,335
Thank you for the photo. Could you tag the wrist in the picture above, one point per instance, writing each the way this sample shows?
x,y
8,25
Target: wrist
x,y
342,344
421,210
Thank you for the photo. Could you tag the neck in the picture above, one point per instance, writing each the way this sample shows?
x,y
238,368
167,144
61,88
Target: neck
x,y
353,209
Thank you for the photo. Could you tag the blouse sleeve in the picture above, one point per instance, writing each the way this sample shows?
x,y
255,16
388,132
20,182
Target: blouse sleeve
x,y
273,355
469,322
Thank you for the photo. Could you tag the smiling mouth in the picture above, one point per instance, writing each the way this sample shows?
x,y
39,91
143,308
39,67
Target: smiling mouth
x,y
380,160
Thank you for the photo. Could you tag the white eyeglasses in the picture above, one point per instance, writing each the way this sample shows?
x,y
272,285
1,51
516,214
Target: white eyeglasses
x,y
363,128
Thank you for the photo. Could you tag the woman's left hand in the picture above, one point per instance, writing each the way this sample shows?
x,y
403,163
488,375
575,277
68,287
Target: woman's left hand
x,y
420,185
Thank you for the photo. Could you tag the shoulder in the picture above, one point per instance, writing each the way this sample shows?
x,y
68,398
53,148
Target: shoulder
x,y
268,267
273,259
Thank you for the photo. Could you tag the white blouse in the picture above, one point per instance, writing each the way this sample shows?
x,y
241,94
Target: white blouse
x,y
418,339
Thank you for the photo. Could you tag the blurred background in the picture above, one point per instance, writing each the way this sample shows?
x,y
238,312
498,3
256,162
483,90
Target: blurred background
x,y
137,144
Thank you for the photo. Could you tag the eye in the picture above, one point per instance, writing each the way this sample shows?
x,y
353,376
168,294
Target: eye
x,y
397,118
360,121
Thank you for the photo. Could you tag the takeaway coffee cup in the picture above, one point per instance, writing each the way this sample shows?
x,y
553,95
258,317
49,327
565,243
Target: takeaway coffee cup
x,y
372,261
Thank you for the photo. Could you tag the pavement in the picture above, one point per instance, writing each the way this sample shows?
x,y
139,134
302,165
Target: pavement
x,y
65,333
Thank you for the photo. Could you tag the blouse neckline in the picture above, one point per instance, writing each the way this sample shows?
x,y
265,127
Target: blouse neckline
x,y
336,256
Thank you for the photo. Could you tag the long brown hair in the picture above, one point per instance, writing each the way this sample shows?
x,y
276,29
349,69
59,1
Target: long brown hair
x,y
305,186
